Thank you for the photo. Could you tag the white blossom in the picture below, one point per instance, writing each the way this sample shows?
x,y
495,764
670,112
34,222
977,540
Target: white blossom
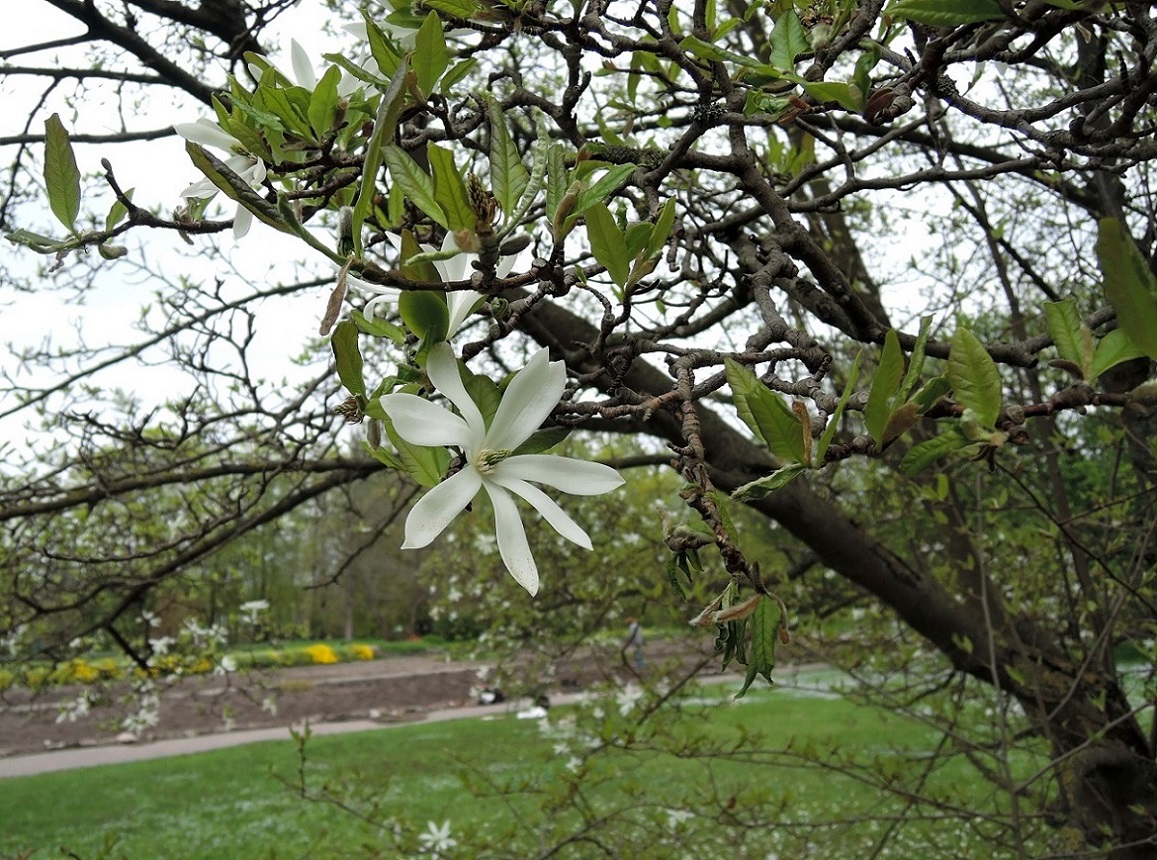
x,y
437,837
249,168
491,463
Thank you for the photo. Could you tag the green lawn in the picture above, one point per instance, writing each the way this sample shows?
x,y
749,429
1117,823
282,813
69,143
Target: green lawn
x,y
231,803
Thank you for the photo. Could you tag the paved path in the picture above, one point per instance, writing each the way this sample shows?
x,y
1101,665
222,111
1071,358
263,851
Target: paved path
x,y
94,756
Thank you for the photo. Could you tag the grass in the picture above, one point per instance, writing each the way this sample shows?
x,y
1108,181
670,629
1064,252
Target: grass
x,y
235,803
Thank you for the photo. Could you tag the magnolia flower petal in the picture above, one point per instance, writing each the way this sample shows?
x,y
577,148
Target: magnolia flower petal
x,y
438,508
242,221
512,543
456,268
532,394
460,303
199,190
559,520
302,65
442,368
420,422
380,301
577,477
207,133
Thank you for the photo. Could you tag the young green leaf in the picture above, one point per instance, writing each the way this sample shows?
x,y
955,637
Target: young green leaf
x,y
766,414
834,421
974,377
323,103
385,124
417,184
764,623
348,356
431,56
608,243
236,188
450,189
425,465
916,360
425,314
1072,338
761,488
1114,348
1129,285
508,175
61,175
920,457
945,13
118,211
788,40
885,386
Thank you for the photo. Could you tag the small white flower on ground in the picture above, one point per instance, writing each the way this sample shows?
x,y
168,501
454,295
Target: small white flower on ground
x,y
437,837
626,699
491,464
248,167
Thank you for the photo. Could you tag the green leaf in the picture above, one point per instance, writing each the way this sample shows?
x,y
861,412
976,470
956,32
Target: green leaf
x,y
788,40
450,189
557,180
606,185
974,377
431,57
425,313
834,421
508,175
1129,285
38,243
916,361
378,327
608,243
464,10
236,188
1072,338
764,623
417,184
931,393
662,231
425,465
483,391
385,124
543,440
885,387
348,356
323,103
61,175
945,13
919,457
761,488
834,91
117,211
766,414
388,60
1115,347
461,69
424,271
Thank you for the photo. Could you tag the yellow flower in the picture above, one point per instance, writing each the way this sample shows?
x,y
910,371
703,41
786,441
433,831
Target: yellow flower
x,y
321,653
363,652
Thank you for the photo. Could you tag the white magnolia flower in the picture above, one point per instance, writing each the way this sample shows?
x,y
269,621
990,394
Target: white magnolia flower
x,y
490,462
437,837
250,168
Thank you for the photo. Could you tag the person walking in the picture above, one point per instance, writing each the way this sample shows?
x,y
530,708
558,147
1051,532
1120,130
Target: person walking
x,y
634,643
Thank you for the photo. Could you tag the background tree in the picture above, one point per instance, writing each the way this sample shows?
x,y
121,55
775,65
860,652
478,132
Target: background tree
x,y
711,202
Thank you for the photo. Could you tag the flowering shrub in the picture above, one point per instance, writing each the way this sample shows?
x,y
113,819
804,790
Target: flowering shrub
x,y
321,653
363,652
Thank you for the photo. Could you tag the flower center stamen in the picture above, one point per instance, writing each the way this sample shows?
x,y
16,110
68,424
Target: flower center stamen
x,y
487,460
